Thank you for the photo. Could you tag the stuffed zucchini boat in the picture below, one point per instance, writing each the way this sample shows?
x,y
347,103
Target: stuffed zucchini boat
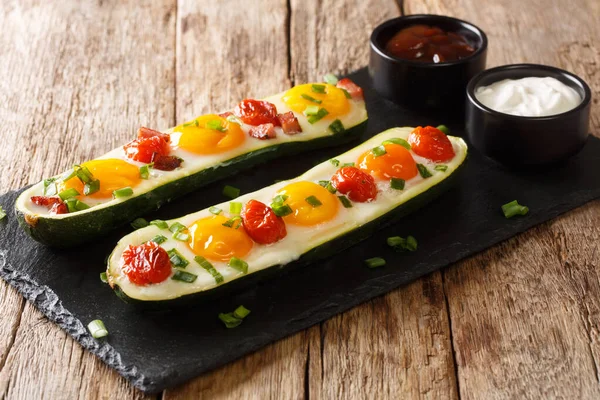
x,y
330,207
99,195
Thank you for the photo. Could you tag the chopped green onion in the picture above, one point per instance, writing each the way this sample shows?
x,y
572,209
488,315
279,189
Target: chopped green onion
x,y
241,312
177,227
184,276
402,244
91,187
346,93
514,208
215,210
159,223
316,88
331,79
348,164
313,201
320,114
441,167
337,126
310,98
68,193
123,192
238,264
190,123
182,237
345,201
280,198
375,262
196,123
235,207
103,277
231,192
177,260
139,223
209,268
311,110
234,119
397,183
145,171
83,173
399,141
49,187
336,163
75,205
231,222
444,129
97,329
215,124
378,151
327,185
423,171
281,210
158,239
2,213
230,320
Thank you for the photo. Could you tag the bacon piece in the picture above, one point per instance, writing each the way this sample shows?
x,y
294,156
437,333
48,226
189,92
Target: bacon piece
x,y
145,133
59,208
289,123
166,163
352,88
225,114
263,131
54,204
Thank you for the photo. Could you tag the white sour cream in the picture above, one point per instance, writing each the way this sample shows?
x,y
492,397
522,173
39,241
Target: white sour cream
x,y
529,97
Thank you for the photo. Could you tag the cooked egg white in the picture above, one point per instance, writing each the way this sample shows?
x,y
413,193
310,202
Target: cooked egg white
x,y
299,240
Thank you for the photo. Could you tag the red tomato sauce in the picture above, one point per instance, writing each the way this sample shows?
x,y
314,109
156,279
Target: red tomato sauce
x,y
428,44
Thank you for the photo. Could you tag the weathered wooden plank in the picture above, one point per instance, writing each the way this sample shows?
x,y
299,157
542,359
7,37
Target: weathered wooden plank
x,y
525,315
76,79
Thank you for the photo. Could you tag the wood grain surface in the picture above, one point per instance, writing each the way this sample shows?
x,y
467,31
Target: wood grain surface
x,y
520,320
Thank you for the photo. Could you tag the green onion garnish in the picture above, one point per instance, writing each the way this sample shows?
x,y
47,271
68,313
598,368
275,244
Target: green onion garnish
x,y
348,164
397,183
177,227
123,192
316,88
399,141
337,126
235,207
231,192
97,329
441,167
103,277
310,98
233,222
159,223
348,95
186,124
327,185
184,276
234,119
280,198
331,79
68,193
241,312
229,320
49,187
375,262
145,171
177,260
215,210
182,237
2,213
311,110
209,268
139,223
196,123
345,201
402,244
514,208
444,129
336,163
281,210
423,171
83,173
238,264
91,187
75,205
313,201
316,117
158,239
378,151
215,124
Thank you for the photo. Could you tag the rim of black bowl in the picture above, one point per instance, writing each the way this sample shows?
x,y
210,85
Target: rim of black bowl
x,y
465,24
587,98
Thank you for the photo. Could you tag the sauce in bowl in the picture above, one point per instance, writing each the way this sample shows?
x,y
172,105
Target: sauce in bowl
x,y
428,44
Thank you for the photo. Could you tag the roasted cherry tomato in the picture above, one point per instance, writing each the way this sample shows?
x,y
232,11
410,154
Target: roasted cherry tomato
x,y
354,183
352,88
54,204
145,264
148,142
261,223
431,143
256,112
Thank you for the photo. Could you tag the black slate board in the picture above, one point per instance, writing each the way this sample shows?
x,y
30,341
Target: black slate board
x,y
159,350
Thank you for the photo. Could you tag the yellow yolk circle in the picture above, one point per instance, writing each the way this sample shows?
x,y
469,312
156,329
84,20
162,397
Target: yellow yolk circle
x,y
333,100
304,213
214,241
397,162
203,139
112,173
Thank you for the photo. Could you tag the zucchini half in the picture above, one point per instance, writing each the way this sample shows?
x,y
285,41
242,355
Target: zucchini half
x,y
66,230
302,245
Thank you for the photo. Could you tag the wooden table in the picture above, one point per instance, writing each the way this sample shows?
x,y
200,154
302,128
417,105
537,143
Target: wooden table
x,y
519,320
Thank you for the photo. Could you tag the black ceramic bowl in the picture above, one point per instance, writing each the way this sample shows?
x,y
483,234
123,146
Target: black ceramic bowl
x,y
418,85
516,140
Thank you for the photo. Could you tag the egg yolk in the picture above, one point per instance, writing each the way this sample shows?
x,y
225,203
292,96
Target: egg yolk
x,y
214,241
397,162
209,134
112,173
334,100
304,213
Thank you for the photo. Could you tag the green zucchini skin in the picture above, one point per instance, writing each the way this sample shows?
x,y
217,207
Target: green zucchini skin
x,y
319,253
77,229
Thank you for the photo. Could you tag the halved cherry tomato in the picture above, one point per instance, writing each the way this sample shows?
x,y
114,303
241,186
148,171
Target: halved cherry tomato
x,y
147,263
256,112
356,184
431,143
261,223
147,143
